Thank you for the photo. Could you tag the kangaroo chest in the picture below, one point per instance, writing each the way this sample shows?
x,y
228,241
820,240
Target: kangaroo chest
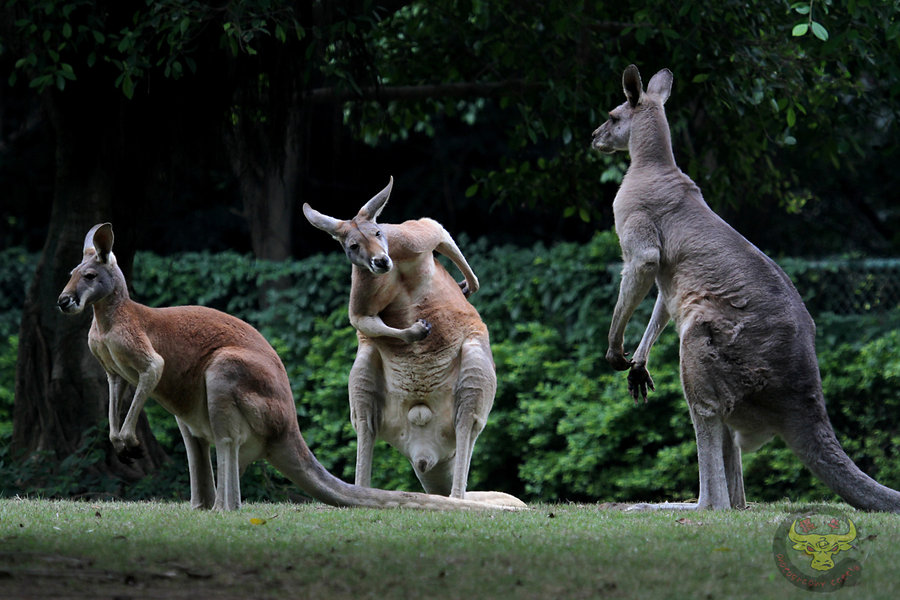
x,y
420,370
112,356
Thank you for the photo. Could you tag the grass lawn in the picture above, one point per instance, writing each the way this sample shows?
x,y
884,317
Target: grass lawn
x,y
64,549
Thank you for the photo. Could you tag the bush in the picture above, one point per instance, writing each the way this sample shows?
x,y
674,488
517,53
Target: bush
x,y
16,268
562,426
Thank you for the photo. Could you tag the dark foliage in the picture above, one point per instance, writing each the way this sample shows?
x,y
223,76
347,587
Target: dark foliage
x,y
562,427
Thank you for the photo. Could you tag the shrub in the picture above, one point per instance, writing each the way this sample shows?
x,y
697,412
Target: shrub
x,y
562,426
16,268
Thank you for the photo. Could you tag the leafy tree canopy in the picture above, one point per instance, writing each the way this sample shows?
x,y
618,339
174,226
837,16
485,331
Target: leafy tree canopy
x,y
776,103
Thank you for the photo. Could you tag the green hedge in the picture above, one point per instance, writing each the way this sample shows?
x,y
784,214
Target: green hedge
x,y
562,427
16,268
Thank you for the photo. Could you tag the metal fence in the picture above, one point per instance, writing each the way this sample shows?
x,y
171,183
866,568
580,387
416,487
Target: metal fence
x,y
847,286
839,286
844,286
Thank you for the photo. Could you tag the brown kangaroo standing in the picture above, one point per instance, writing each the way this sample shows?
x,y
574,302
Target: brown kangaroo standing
x,y
748,361
220,378
423,379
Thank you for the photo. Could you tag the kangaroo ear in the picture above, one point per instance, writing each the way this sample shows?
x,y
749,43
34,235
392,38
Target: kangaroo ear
x,y
661,85
631,83
100,238
373,207
329,225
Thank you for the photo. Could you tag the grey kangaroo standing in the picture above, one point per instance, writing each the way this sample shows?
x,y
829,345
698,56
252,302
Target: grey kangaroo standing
x,y
423,379
748,361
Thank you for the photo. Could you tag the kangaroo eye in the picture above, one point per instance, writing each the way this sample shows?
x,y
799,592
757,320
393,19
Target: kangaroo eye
x,y
90,276
354,247
377,234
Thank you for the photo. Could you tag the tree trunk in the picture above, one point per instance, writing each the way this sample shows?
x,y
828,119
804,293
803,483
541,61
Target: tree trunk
x,y
268,172
61,390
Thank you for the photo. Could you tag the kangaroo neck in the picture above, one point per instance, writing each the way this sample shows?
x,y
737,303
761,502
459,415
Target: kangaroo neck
x,y
107,309
650,143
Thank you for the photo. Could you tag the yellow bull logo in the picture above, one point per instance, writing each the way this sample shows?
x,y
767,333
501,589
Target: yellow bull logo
x,y
822,547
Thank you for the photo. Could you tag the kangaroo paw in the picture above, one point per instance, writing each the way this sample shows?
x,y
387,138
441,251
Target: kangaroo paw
x,y
128,454
419,331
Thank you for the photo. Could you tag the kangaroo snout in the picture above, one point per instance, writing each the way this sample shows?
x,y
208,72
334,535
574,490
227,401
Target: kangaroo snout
x,y
598,142
68,303
381,264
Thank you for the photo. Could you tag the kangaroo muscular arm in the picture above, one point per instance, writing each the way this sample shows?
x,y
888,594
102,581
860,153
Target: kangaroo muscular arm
x,y
425,236
372,326
657,323
366,305
117,390
149,376
639,380
641,254
448,248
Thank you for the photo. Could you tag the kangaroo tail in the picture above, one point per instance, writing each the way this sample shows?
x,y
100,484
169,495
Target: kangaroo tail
x,y
813,440
293,458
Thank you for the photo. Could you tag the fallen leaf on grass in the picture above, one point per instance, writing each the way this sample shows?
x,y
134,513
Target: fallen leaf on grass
x,y
260,521
686,521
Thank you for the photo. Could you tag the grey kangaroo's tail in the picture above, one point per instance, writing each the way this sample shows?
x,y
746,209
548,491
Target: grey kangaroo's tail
x,y
816,445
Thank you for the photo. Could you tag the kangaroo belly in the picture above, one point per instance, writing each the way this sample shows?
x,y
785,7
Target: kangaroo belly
x,y
418,416
418,374
422,381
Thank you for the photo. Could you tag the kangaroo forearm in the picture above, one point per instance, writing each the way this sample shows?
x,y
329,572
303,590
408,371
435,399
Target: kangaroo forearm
x,y
129,424
146,384
115,401
448,248
373,326
657,323
635,286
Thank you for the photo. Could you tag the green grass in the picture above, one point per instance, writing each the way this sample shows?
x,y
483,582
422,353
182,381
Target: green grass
x,y
65,549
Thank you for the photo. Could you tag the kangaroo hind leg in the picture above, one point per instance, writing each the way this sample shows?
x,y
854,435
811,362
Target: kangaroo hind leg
x,y
366,387
232,390
734,473
203,486
473,400
709,395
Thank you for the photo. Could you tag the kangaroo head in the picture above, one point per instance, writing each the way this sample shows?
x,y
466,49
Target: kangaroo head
x,y
361,238
615,133
96,277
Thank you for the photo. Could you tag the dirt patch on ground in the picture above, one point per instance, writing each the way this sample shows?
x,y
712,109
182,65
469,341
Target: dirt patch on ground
x,y
26,576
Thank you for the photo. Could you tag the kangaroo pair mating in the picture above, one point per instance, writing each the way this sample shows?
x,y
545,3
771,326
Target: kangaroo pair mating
x,y
748,361
223,382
